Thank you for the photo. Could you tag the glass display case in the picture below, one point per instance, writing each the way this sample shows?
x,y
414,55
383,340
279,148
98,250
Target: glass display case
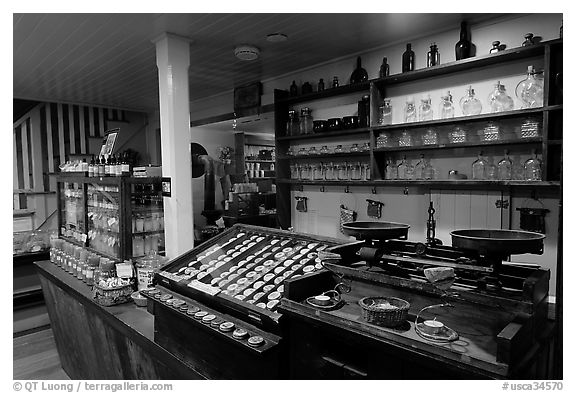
x,y
117,217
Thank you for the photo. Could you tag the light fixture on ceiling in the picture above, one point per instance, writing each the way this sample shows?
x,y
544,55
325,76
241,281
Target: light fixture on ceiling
x,y
246,52
276,37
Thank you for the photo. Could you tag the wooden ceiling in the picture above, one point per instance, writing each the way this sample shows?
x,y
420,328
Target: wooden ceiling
x,y
109,59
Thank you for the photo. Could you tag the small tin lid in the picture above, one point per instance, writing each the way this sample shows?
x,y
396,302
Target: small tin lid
x,y
271,304
170,302
281,288
269,262
183,308
232,287
208,318
274,241
227,326
200,314
242,281
204,267
261,305
215,281
177,303
318,266
288,262
216,322
248,292
287,250
284,242
259,268
240,297
181,270
278,280
308,269
312,245
150,291
280,255
165,297
258,295
240,334
251,301
223,283
191,263
295,267
274,295
250,274
233,269
192,310
288,273
278,269
158,295
268,287
212,262
241,270
201,275
233,276
256,341
268,276
258,284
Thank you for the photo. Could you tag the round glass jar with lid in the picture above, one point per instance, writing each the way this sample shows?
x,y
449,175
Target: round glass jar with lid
x,y
302,152
530,90
499,100
292,126
355,171
469,104
312,151
342,170
329,171
317,171
405,139
430,137
306,121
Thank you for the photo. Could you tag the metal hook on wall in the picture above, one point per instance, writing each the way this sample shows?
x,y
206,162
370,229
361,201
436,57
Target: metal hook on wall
x,y
406,191
373,190
322,189
347,189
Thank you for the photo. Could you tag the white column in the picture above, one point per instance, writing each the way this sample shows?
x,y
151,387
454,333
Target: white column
x,y
173,60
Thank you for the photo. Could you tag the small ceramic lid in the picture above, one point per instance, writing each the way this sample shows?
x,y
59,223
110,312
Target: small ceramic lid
x,y
200,314
208,318
227,326
256,341
240,334
165,297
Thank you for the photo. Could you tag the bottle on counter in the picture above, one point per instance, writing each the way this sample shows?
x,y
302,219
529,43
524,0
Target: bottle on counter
x,y
433,57
464,46
499,100
469,104
91,167
505,167
408,59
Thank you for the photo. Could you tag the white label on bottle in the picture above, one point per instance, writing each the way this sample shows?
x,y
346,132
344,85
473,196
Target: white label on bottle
x,y
89,273
144,276
125,168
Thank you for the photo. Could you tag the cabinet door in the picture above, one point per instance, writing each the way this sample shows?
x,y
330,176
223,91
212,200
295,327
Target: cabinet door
x,y
465,209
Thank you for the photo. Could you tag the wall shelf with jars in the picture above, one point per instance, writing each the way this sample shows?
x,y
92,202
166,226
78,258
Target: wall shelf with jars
x,y
116,217
430,127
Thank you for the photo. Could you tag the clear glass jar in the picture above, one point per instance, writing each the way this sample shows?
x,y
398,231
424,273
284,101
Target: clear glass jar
x,y
410,110
383,140
429,172
530,90
338,149
405,170
329,171
446,106
419,168
385,113
391,170
479,168
491,132
425,110
530,128
305,172
499,100
469,104
312,151
458,135
306,121
317,171
342,169
491,169
533,168
354,148
324,150
146,267
355,171
292,126
430,137
365,147
302,152
139,225
366,175
290,151
294,171
505,167
405,139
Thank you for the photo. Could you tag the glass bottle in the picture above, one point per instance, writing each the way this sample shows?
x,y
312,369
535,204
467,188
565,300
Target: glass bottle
x,y
430,137
329,171
338,149
433,57
530,90
294,172
391,170
533,168
446,106
335,82
429,171
293,89
384,68
383,140
425,109
419,168
463,46
405,139
528,39
292,126
405,170
385,113
517,168
479,168
342,169
366,175
491,132
495,47
505,167
306,121
317,173
491,170
410,110
408,59
305,172
359,74
364,111
499,100
321,84
530,128
469,104
355,171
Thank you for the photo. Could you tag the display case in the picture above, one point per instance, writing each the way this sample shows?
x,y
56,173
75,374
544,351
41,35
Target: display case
x,y
226,292
118,217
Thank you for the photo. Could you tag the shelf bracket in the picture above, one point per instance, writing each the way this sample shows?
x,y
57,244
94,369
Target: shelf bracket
x,y
374,190
347,189
322,189
406,191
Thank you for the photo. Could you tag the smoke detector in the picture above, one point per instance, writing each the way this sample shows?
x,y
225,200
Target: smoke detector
x,y
246,52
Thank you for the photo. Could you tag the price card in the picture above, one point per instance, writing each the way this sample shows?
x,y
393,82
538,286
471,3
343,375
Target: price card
x,y
124,270
171,276
206,288
84,237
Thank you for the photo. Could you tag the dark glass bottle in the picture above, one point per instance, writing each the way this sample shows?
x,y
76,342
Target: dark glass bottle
x,y
306,88
408,59
464,46
321,84
359,74
528,39
364,111
433,57
335,82
495,47
293,89
384,68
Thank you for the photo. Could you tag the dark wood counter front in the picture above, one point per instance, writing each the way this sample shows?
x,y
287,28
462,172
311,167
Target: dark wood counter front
x,y
96,342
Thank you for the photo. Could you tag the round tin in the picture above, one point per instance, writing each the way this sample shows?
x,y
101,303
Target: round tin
x,y
240,297
183,308
242,281
268,287
275,249
278,269
296,275
204,267
259,268
251,301
312,255
278,280
223,283
304,251
259,238
284,242
192,263
169,302
287,250
246,241
177,303
304,261
243,249
312,245
248,292
258,284
297,256
233,276
216,322
208,318
233,269
201,275
210,270
233,287
258,295
268,276
256,341
242,270
201,257
280,255
220,263
240,234
266,254
215,281
212,262
269,263
288,273
250,274
181,270
274,241
318,266
221,257
274,295
271,304
165,297
200,314
234,255
227,259
258,260
288,262
250,265
158,295
261,305
224,275
295,267
250,257
281,288
240,334
192,310
308,269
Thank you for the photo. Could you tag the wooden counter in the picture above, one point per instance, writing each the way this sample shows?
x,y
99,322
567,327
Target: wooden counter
x,y
96,342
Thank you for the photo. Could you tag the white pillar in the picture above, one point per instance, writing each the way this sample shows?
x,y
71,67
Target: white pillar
x,y
173,60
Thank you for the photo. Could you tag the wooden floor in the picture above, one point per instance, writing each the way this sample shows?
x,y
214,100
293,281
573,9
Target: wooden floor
x,y
35,357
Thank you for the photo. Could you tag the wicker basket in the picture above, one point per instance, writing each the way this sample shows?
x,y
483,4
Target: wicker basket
x,y
374,311
111,296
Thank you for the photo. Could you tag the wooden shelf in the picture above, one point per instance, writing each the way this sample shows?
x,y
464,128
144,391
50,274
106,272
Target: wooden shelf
x,y
321,156
407,183
459,145
260,161
262,178
461,119
327,93
555,142
465,64
326,134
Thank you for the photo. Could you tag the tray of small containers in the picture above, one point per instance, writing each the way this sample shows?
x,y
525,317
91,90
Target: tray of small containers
x,y
239,276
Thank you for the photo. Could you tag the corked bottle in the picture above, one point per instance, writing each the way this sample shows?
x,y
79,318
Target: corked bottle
x,y
464,46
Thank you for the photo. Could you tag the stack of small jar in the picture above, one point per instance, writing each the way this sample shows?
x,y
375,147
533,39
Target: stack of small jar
x,y
80,262
331,171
